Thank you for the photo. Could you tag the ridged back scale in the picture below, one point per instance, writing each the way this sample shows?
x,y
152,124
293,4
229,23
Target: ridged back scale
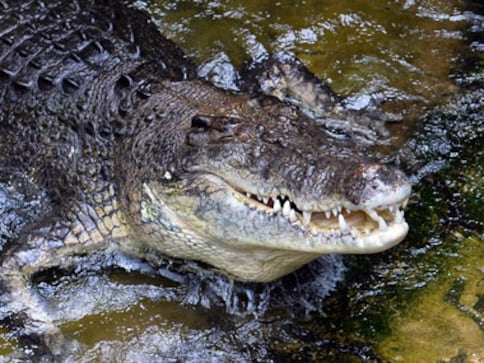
x,y
70,72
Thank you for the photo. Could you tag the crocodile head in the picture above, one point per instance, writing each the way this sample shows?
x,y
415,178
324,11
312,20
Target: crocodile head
x,y
259,190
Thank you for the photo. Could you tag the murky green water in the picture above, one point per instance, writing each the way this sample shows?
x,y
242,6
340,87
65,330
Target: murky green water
x,y
423,301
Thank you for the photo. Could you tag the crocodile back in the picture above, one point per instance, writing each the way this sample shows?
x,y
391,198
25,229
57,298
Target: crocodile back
x,y
64,79
67,44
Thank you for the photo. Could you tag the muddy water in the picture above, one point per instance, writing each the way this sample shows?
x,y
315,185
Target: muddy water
x,y
423,301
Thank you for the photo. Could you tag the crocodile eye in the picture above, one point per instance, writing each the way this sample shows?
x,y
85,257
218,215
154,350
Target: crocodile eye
x,y
199,123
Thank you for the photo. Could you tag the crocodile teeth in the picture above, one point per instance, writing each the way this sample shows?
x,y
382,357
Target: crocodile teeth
x,y
342,223
277,205
306,218
335,219
167,175
286,208
373,214
382,225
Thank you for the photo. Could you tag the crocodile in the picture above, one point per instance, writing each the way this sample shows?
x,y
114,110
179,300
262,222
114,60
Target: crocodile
x,y
137,153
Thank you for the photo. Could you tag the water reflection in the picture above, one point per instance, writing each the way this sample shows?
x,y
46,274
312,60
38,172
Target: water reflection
x,y
196,318
399,48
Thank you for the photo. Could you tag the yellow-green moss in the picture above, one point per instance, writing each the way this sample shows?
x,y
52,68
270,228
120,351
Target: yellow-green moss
x,y
443,320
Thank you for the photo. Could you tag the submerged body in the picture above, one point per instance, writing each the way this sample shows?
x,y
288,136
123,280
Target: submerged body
x,y
136,153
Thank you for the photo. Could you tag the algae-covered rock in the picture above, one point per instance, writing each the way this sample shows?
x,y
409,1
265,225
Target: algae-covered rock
x,y
445,318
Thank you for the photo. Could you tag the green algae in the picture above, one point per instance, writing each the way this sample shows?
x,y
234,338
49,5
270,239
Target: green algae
x,y
7,345
445,317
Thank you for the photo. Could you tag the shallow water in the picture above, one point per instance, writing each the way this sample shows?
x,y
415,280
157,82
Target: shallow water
x,y
420,302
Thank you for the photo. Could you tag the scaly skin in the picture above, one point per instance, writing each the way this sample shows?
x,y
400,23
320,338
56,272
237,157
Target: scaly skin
x,y
136,153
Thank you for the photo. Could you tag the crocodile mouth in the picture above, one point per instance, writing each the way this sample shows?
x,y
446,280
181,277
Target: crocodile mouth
x,y
343,219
